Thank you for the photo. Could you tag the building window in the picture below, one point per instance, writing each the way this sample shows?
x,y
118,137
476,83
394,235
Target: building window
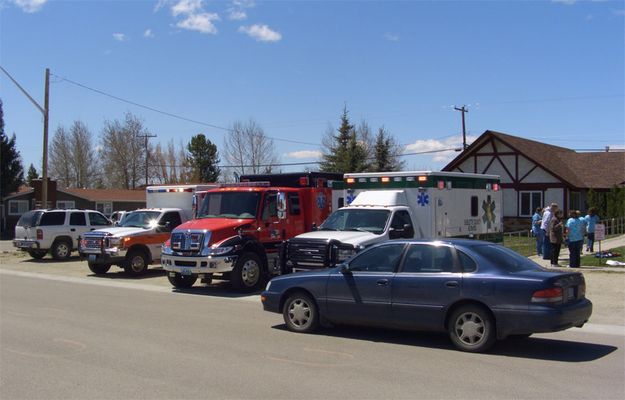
x,y
65,204
529,202
18,207
105,208
575,201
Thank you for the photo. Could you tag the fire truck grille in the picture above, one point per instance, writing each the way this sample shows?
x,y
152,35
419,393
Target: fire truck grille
x,y
306,252
188,242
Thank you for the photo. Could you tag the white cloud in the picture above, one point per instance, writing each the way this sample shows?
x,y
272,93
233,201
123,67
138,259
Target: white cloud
x,y
391,37
186,7
148,33
120,37
200,22
304,154
261,33
452,142
237,15
30,6
243,3
565,2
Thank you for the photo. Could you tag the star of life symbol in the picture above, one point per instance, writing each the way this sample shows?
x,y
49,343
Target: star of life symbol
x,y
321,201
423,199
350,196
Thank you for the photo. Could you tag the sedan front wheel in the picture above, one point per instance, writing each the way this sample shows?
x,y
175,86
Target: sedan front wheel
x,y
300,313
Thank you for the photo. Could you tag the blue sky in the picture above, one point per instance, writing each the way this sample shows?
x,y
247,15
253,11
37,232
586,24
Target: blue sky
x,y
551,71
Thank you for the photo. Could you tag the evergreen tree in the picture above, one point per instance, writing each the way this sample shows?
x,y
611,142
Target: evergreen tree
x,y
32,174
616,202
204,159
11,170
386,153
344,152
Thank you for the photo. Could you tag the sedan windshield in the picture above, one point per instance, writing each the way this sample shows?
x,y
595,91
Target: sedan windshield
x,y
504,258
230,205
357,220
140,219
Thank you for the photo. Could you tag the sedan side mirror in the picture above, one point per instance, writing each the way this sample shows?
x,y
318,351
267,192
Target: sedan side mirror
x,y
344,269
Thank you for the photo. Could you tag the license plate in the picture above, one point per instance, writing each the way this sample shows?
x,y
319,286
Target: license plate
x,y
185,271
92,257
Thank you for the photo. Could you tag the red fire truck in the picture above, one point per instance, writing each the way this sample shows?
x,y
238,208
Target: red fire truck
x,y
239,227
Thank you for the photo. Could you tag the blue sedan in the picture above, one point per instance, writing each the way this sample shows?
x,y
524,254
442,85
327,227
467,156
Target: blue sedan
x,y
477,291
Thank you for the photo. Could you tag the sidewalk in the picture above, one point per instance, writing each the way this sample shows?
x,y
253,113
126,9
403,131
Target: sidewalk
x,y
563,260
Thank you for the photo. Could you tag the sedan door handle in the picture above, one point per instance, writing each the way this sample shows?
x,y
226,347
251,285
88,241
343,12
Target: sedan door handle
x,y
452,284
382,282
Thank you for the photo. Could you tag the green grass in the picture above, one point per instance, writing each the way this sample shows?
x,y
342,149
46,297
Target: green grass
x,y
592,261
526,246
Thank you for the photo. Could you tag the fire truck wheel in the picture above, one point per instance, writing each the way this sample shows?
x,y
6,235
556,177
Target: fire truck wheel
x,y
246,275
99,269
300,313
61,250
37,254
180,281
136,263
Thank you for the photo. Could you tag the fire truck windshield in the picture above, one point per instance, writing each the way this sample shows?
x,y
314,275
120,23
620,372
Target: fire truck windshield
x,y
230,205
373,221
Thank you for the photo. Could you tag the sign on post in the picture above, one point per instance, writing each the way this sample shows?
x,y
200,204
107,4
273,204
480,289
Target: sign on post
x,y
599,232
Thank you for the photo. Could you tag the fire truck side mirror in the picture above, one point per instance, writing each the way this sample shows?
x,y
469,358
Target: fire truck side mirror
x,y
281,200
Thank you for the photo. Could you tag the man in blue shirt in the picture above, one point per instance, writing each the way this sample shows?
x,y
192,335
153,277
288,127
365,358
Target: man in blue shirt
x,y
537,232
591,220
575,235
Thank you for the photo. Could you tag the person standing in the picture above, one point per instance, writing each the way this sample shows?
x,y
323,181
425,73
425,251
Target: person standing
x,y
575,235
544,226
537,232
556,237
591,220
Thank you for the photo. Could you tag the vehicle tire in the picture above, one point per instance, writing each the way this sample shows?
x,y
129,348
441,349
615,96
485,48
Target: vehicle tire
x,y
180,281
246,275
300,313
136,263
472,329
37,254
99,269
61,250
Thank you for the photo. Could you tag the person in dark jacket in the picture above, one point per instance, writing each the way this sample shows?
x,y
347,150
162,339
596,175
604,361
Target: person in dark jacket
x,y
556,236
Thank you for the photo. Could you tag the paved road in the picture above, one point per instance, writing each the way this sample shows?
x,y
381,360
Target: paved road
x,y
64,336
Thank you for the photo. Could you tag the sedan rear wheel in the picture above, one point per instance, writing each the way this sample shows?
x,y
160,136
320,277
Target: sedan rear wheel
x,y
300,313
471,328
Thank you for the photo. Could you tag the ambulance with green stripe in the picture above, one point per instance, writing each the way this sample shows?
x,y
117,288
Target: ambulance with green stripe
x,y
374,207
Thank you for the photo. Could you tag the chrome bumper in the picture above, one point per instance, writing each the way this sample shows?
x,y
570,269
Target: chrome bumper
x,y
189,265
25,244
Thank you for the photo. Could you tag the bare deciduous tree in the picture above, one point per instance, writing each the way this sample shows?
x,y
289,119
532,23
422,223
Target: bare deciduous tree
x,y
248,149
123,152
73,160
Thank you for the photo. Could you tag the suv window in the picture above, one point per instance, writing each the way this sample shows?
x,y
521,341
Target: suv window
x,y
52,218
77,218
98,219
29,219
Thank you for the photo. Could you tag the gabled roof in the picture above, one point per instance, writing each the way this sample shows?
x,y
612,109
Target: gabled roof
x,y
107,194
598,170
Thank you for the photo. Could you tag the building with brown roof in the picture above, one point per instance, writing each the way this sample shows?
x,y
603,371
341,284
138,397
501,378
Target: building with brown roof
x,y
534,174
103,200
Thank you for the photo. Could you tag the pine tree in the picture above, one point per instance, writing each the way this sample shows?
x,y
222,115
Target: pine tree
x,y
31,175
386,153
344,151
204,159
11,170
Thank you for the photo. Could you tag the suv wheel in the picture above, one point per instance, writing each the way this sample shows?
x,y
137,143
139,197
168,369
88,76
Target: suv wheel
x,y
37,254
61,250
136,263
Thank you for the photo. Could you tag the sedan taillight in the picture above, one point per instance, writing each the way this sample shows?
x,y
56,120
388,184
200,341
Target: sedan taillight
x,y
39,234
551,295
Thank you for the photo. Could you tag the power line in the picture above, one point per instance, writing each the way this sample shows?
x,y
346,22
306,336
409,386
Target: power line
x,y
63,79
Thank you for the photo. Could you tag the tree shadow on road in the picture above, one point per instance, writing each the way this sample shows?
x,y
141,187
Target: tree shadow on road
x,y
217,288
121,274
531,348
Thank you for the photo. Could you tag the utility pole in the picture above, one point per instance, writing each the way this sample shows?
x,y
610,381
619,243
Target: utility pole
x,y
463,110
147,155
44,111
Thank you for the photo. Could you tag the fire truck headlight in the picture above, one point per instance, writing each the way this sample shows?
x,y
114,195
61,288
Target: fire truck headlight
x,y
218,251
